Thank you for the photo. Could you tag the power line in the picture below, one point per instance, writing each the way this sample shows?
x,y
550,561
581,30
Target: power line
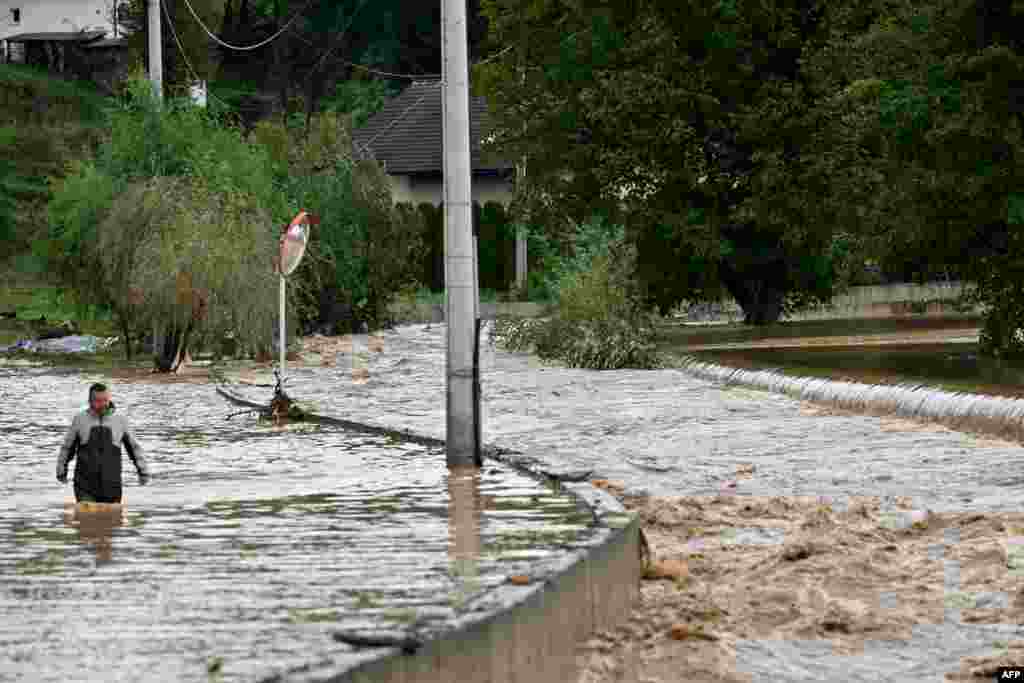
x,y
366,146
337,40
411,77
492,57
416,77
246,48
184,57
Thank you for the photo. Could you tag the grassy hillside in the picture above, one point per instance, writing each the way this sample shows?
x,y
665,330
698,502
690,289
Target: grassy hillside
x,y
31,96
50,121
46,122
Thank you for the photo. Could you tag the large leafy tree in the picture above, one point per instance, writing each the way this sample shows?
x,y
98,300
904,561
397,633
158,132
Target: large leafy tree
x,y
920,138
684,117
320,46
182,65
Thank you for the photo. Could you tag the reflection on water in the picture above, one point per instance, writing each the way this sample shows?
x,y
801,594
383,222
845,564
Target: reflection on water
x,y
251,544
95,523
465,508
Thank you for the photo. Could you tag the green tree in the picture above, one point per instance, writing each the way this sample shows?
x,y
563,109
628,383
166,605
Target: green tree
x,y
171,227
8,179
199,57
684,118
919,139
366,249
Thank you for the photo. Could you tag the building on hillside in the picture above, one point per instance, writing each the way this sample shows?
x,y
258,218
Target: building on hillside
x,y
78,38
406,137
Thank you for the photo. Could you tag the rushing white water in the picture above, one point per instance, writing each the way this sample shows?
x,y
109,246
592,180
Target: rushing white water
x,y
995,415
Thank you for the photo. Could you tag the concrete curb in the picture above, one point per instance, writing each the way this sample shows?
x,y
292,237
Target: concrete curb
x,y
992,415
532,636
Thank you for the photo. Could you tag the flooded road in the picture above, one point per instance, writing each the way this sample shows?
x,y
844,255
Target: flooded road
x,y
250,545
666,432
669,433
213,558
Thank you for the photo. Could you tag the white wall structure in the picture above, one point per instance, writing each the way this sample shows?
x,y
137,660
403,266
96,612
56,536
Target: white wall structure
x,y
55,16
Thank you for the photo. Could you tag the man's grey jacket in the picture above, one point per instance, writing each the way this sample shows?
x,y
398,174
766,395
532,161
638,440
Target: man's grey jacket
x,y
96,440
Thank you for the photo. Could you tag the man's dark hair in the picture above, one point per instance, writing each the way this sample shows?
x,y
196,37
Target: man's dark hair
x,y
97,388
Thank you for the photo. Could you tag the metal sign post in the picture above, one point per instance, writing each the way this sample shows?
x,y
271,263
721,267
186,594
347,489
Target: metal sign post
x,y
291,249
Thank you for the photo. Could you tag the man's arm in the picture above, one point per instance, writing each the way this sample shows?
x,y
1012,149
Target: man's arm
x,y
135,453
68,449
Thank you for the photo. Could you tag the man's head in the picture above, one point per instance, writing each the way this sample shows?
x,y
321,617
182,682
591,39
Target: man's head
x,y
99,398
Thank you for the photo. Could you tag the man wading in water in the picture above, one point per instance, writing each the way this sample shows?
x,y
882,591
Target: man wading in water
x,y
95,437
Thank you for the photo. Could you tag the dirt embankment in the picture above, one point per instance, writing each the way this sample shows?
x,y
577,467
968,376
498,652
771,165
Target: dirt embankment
x,y
819,572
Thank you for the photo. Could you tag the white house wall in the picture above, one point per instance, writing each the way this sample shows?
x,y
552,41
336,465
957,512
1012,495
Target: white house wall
x,y
55,16
430,191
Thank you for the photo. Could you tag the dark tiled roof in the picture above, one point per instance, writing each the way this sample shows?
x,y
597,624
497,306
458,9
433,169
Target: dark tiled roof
x,y
109,42
79,36
406,135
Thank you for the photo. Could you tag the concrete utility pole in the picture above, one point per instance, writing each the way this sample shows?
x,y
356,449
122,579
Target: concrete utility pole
x,y
521,235
521,254
463,414
156,58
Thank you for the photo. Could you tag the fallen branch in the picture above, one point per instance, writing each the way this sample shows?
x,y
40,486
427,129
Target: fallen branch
x,y
569,477
407,644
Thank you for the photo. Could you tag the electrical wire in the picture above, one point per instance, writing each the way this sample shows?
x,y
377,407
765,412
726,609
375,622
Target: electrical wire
x,y
337,40
417,77
364,147
184,57
246,48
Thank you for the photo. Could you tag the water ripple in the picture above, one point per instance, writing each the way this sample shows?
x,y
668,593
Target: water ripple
x,y
249,544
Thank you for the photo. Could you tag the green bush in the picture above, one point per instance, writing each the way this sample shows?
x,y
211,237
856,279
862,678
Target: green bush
x,y
366,250
23,88
358,99
597,319
495,246
174,200
1000,290
8,204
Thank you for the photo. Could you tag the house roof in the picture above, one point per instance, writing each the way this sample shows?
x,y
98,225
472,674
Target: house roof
x,y
108,42
406,135
77,36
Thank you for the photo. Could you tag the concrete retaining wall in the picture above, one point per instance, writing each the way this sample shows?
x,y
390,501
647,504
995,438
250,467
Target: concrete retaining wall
x,y
534,640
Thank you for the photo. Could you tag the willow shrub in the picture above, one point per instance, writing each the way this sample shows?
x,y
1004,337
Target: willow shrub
x,y
174,197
